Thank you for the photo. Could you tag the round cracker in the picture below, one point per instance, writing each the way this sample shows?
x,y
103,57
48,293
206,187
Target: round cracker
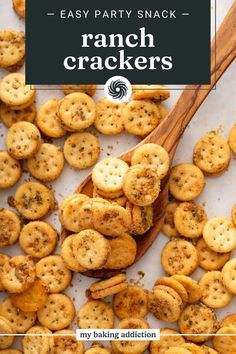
x,y
77,111
165,303
18,274
10,116
48,121
174,284
57,313
109,119
14,92
85,215
110,219
64,203
212,154
131,347
123,252
152,156
141,185
39,340
10,226
12,47
47,164
23,140
166,342
191,286
82,150
197,319
208,259
10,170
32,299
38,239
232,139
131,302
91,249
33,200
68,256
141,219
220,234
141,117
168,227
229,275
53,273
95,315
214,292
20,321
179,256
76,213
225,344
109,173
190,219
65,342
186,182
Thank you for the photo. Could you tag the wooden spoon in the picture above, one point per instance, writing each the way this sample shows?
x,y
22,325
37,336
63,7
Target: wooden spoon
x,y
168,133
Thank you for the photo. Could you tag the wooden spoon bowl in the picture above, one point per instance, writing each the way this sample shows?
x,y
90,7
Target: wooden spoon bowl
x,y
169,132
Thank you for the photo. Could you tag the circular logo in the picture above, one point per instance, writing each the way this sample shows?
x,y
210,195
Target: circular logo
x,y
118,89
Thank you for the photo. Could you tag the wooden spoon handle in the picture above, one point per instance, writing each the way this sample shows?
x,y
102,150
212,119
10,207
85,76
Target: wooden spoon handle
x,y
170,130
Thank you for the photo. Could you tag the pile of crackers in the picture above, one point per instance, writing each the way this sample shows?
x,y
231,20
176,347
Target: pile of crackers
x,y
55,118
197,241
102,229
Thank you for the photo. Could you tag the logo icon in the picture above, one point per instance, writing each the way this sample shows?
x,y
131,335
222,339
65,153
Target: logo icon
x,y
118,89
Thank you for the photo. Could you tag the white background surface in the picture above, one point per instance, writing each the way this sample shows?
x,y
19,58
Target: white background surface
x,y
217,112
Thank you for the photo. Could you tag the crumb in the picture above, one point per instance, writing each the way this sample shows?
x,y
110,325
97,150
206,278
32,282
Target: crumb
x,y
141,275
11,201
